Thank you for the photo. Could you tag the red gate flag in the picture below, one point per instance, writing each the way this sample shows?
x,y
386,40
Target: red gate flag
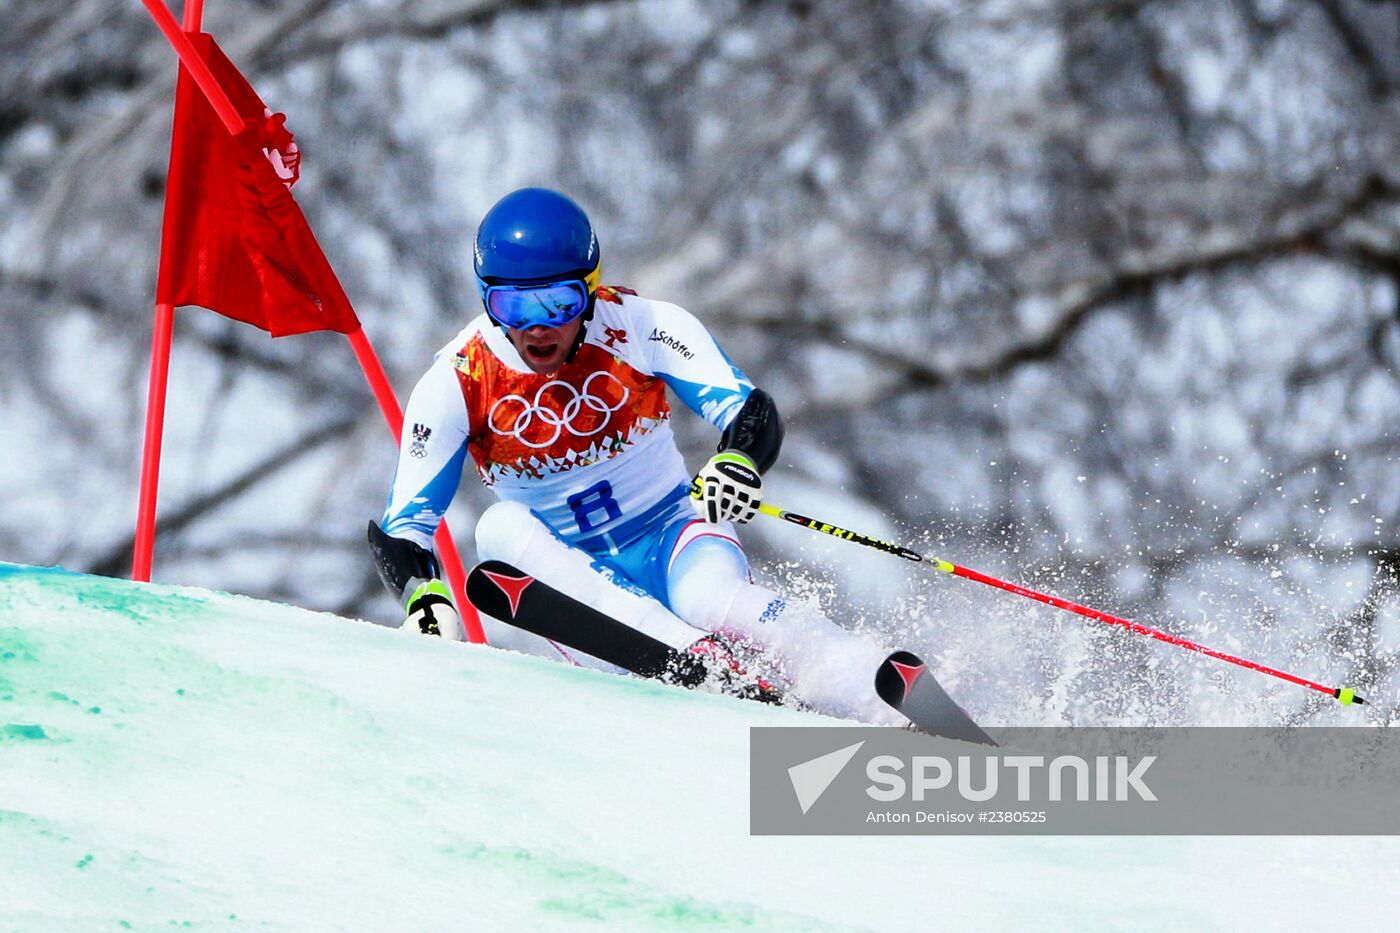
x,y
234,239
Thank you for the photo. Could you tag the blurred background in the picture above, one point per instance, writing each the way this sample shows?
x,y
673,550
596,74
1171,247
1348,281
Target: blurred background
x,y
1101,297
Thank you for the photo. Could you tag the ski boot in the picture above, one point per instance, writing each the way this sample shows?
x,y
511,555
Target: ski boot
x,y
722,670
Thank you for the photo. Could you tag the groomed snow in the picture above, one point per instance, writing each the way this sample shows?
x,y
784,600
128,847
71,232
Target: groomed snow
x,y
178,757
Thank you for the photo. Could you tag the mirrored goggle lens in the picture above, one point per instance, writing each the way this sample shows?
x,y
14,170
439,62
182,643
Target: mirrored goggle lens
x,y
550,305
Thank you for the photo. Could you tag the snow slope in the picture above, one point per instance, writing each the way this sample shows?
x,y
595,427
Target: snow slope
x,y
178,757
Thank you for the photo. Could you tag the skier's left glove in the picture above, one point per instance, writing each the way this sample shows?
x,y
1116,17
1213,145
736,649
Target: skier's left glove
x,y
729,487
431,612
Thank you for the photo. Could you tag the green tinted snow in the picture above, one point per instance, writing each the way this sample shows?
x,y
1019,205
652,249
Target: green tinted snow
x,y
136,602
140,602
593,893
23,570
175,757
16,730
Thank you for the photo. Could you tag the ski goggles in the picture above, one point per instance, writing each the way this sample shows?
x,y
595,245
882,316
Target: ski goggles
x,y
522,306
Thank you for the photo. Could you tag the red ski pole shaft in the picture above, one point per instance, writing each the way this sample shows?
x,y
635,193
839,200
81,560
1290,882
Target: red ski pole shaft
x,y
1345,694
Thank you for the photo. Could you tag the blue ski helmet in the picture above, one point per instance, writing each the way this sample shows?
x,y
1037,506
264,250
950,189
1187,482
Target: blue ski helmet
x,y
536,236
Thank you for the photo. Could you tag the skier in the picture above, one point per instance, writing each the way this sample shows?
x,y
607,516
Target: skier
x,y
558,393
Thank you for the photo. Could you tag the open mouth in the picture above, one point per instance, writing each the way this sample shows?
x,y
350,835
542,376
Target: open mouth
x,y
541,351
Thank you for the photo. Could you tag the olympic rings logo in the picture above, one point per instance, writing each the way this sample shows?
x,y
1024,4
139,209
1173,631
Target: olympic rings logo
x,y
558,420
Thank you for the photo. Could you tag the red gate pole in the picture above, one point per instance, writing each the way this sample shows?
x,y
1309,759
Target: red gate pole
x,y
155,400
359,343
150,456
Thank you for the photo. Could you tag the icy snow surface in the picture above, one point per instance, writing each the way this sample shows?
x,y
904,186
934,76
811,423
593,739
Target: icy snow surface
x,y
173,757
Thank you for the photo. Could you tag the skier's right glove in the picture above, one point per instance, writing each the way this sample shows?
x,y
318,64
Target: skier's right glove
x,y
729,487
431,612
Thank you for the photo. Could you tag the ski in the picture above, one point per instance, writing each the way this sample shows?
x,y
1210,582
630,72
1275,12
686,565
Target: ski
x,y
504,592
905,682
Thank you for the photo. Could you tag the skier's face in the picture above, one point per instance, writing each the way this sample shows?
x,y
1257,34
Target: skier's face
x,y
544,349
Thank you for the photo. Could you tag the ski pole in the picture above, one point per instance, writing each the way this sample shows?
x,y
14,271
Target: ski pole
x,y
1344,694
